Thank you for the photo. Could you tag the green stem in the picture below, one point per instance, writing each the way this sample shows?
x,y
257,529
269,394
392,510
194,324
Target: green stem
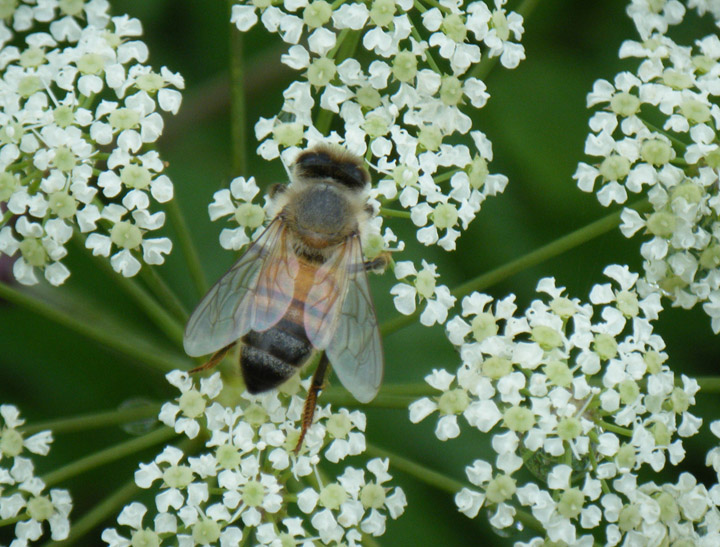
x,y
156,313
112,335
164,293
192,259
394,213
238,112
95,420
100,513
709,384
625,432
552,249
6,216
108,455
414,469
652,127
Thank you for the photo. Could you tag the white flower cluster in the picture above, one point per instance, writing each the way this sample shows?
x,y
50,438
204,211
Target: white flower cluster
x,y
250,480
400,77
23,499
78,111
576,393
676,163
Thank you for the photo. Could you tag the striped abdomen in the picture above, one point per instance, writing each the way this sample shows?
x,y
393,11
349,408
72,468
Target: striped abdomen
x,y
269,358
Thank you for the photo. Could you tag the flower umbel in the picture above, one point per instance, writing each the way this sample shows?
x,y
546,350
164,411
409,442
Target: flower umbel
x,y
24,498
79,112
248,479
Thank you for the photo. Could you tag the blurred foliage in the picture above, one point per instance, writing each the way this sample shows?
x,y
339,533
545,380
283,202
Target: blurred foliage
x,y
537,121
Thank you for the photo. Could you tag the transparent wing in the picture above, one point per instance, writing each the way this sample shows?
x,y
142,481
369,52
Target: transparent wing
x,y
340,318
253,295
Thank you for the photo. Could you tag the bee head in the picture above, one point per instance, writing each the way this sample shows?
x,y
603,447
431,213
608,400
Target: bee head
x,y
332,162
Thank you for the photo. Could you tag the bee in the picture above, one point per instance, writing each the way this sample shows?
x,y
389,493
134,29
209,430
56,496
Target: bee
x,y
301,287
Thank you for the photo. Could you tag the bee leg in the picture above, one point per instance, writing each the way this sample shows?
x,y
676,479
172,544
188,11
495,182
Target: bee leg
x,y
311,402
215,359
378,264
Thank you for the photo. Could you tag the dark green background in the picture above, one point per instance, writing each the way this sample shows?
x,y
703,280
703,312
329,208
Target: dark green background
x,y
537,121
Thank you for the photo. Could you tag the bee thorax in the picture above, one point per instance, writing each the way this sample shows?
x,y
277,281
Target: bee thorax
x,y
322,216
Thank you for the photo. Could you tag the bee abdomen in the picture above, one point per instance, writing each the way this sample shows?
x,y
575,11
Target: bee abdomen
x,y
269,358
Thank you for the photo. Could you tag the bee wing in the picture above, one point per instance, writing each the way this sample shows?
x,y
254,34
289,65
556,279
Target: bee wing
x,y
340,318
253,295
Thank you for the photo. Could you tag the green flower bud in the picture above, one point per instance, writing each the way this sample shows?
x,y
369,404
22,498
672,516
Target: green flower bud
x,y
451,90
425,283
253,493
338,426
33,252
126,235
11,443
91,63
135,176
615,167
478,172
382,12
372,496
519,419
661,223
695,111
454,27
9,183
453,401
206,532
605,346
625,104
559,373
29,85
62,204
71,7
40,508
250,215
627,303
404,66
192,404
288,134
368,97
124,118
656,151
255,415
150,82
144,538
569,428
483,326
445,215
496,367
629,391
501,488
709,258
321,72
317,14
333,496
546,337
228,456
178,476
677,79
7,8
32,57
571,503
64,116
